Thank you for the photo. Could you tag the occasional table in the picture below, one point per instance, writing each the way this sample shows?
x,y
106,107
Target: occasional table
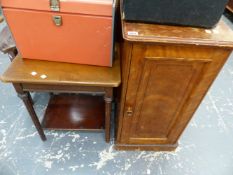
x,y
66,111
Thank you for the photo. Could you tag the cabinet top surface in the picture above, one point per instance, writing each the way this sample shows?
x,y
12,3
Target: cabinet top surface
x,y
46,72
221,35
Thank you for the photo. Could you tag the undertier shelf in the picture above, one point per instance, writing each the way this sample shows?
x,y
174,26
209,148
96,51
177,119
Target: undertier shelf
x,y
75,112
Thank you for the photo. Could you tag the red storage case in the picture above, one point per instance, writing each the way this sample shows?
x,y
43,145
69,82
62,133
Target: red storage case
x,y
75,31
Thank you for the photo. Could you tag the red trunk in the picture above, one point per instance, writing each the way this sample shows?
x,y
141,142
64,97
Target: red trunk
x,y
78,32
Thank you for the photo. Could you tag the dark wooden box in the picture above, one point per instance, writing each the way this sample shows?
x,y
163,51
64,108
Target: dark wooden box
x,y
196,13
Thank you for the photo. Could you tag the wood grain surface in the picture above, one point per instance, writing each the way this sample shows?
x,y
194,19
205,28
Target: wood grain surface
x,y
166,72
45,72
75,112
230,6
221,35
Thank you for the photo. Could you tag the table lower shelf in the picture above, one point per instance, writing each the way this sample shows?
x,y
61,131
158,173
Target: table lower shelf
x,y
75,112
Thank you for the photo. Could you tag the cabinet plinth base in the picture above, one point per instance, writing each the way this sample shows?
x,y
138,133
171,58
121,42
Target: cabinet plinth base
x,y
122,147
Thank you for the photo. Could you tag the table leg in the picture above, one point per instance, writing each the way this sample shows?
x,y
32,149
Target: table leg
x,y
108,108
26,98
30,98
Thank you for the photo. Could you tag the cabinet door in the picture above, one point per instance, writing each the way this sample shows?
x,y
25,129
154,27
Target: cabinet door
x,y
158,88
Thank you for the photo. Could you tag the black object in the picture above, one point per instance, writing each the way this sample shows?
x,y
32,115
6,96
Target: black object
x,y
196,13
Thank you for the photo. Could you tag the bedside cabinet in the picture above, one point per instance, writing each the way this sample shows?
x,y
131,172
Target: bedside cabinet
x,y
230,6
167,70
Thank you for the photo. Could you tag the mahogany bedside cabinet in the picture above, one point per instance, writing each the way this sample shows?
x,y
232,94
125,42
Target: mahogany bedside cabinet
x,y
166,72
230,6
67,111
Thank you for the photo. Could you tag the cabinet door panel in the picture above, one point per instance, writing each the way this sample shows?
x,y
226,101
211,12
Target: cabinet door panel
x,y
164,86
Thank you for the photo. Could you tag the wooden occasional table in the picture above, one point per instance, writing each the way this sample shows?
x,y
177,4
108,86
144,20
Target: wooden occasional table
x,y
79,112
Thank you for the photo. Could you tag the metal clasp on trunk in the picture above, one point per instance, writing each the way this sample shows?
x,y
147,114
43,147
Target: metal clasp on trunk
x,y
57,20
55,5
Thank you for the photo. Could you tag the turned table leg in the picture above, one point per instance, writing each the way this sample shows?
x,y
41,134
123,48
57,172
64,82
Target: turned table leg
x,y
26,98
30,98
108,108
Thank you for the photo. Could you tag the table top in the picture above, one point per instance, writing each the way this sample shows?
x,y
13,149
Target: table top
x,y
56,73
221,35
